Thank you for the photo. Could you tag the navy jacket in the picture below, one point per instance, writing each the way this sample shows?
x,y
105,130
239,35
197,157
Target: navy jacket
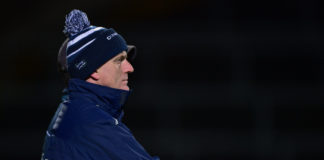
x,y
87,126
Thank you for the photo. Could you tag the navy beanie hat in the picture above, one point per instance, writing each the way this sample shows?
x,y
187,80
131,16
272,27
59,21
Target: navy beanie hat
x,y
89,47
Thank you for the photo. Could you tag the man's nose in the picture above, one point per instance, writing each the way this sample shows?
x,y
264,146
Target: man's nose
x,y
127,67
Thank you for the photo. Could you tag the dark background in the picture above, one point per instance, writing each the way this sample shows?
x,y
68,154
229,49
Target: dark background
x,y
223,80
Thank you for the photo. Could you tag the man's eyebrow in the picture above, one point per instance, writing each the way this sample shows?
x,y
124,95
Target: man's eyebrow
x,y
121,57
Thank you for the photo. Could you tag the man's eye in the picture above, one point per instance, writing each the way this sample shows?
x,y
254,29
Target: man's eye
x,y
120,59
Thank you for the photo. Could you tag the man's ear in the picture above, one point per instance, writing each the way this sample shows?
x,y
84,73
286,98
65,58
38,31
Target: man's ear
x,y
95,75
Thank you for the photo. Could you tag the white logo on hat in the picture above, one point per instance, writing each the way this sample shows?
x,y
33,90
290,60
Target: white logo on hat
x,y
111,36
81,64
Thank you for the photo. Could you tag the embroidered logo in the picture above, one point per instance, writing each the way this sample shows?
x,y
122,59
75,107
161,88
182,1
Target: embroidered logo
x,y
111,36
81,64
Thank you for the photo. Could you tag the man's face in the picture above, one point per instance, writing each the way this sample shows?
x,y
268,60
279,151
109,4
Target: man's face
x,y
114,73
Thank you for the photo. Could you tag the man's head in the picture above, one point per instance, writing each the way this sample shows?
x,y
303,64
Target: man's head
x,y
96,54
112,81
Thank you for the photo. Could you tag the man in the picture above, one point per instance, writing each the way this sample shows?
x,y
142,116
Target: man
x,y
87,124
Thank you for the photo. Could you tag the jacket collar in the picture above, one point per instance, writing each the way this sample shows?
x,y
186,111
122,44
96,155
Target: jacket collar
x,y
109,99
